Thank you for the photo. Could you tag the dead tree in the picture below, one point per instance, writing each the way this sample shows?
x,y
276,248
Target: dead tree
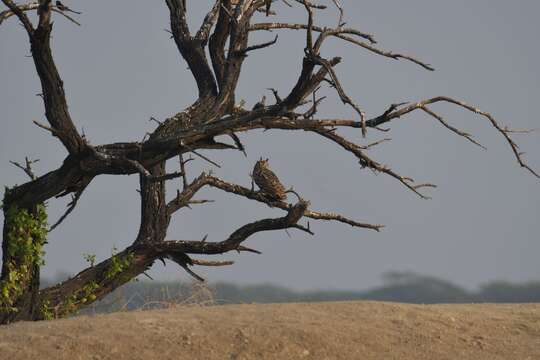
x,y
215,54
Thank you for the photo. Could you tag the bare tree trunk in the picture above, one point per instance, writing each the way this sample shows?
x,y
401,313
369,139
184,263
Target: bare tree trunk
x,y
154,217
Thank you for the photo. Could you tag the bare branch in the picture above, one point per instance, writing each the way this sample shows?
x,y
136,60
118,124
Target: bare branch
x,y
71,206
56,109
451,128
342,94
230,68
27,168
183,198
67,16
345,34
211,263
366,161
310,4
182,259
505,132
63,7
183,170
290,26
165,177
218,39
234,241
258,46
206,158
139,168
54,132
307,82
209,21
192,49
19,10
4,15
337,3
200,202
388,54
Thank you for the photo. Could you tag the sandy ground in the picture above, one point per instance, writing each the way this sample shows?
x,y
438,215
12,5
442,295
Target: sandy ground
x,y
343,330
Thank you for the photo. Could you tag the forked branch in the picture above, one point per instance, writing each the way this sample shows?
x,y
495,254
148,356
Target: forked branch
x,y
182,200
504,131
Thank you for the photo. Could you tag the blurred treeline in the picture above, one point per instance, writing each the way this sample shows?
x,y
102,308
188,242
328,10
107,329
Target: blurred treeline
x,y
397,286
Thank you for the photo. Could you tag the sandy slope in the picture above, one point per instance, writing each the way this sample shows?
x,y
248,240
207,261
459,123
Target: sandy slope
x,y
345,330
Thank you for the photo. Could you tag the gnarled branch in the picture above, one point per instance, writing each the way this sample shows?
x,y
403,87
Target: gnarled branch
x,y
182,200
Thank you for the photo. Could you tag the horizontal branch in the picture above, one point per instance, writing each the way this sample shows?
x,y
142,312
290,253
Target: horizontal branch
x,y
182,200
422,105
292,26
211,263
344,34
234,241
96,281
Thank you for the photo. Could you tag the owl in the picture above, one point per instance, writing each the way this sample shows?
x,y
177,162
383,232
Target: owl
x,y
268,182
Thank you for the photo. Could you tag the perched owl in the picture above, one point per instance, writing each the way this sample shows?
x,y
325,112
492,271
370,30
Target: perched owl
x,y
268,182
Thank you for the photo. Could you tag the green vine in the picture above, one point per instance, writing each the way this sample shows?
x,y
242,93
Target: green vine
x,y
90,258
27,233
79,298
118,264
88,294
46,311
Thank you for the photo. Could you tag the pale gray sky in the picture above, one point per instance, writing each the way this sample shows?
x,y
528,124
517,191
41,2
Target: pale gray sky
x,y
121,67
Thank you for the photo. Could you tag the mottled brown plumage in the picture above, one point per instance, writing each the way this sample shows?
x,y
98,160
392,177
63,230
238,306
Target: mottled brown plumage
x,y
268,182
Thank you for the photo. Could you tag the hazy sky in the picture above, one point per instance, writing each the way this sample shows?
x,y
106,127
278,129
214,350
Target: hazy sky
x,y
121,67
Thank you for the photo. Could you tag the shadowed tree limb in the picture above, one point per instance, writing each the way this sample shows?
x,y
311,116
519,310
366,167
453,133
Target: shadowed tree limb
x,y
97,281
56,109
218,40
71,206
192,48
